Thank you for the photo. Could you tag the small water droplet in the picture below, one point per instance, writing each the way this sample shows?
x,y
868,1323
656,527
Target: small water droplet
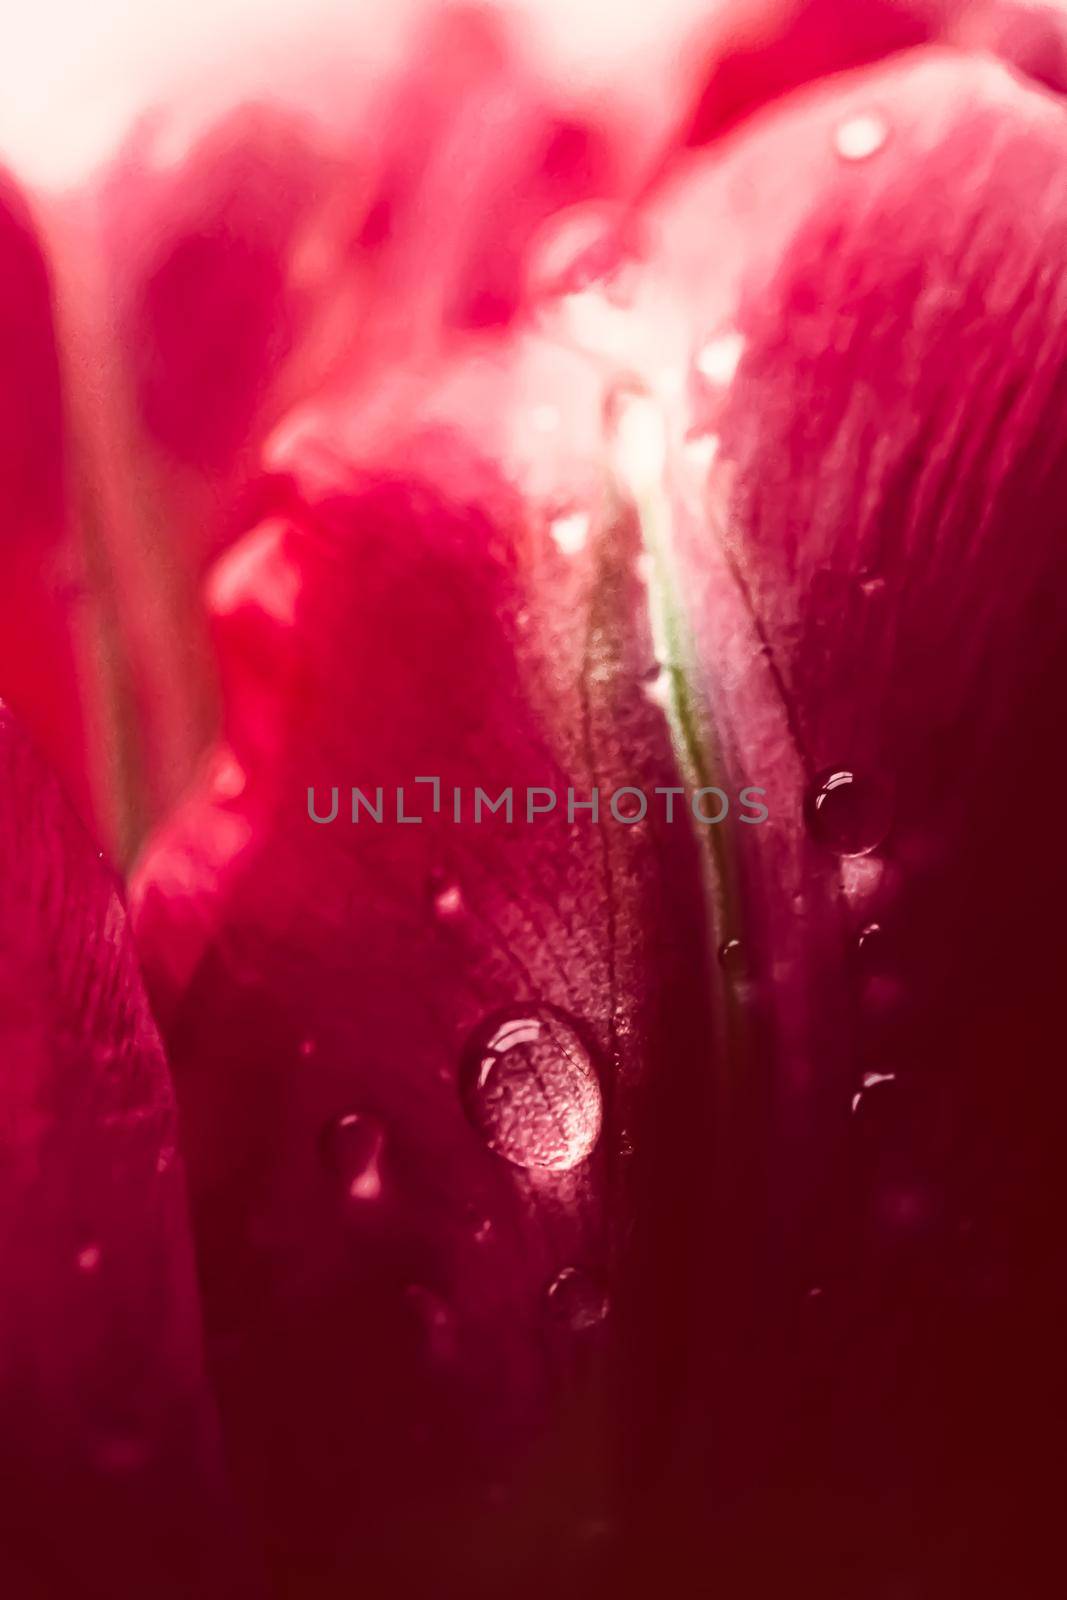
x,y
308,1048
846,814
719,359
531,1090
570,531
860,137
576,1300
448,901
89,1258
871,947
352,1148
732,958
869,1081
482,1230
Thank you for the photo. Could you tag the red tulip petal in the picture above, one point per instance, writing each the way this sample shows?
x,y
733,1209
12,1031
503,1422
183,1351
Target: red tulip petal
x,y
874,569
379,1250
112,1482
42,579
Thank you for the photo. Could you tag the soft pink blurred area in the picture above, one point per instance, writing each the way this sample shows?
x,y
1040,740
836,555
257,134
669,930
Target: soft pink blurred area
x,y
240,209
74,76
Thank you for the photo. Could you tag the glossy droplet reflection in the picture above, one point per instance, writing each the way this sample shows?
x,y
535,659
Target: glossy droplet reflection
x,y
860,137
352,1148
871,1081
531,1090
846,814
575,1300
448,902
732,959
719,359
872,950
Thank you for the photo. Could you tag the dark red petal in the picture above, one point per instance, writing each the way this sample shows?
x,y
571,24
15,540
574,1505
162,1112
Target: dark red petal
x,y
110,1464
874,567
417,1372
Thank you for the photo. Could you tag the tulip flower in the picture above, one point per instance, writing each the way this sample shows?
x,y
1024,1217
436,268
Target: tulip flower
x,y
577,601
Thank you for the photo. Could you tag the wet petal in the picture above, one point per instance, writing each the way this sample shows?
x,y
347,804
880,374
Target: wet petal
x,y
873,565
428,1069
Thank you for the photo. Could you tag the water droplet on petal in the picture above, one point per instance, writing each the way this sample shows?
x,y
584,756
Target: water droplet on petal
x,y
869,1081
570,531
846,814
576,1300
308,1048
719,359
352,1148
871,947
448,902
89,1258
861,136
531,1090
732,958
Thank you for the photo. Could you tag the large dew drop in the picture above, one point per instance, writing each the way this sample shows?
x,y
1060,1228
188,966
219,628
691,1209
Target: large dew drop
x,y
531,1090
846,814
